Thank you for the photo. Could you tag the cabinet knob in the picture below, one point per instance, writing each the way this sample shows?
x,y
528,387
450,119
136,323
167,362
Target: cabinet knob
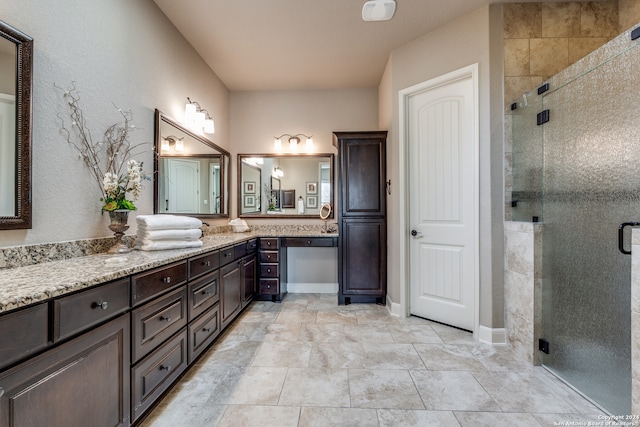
x,y
268,243
268,256
268,270
165,318
308,242
166,280
103,305
268,286
165,368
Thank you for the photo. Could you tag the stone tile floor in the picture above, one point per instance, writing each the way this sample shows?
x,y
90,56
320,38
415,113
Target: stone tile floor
x,y
309,362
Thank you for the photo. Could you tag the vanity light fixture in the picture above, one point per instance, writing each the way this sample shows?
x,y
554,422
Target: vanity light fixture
x,y
278,172
197,117
294,140
172,141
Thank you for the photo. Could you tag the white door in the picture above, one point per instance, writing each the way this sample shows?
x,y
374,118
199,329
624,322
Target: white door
x,y
442,198
184,186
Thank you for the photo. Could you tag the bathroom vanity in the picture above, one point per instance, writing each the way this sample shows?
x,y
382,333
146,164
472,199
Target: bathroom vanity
x,y
103,337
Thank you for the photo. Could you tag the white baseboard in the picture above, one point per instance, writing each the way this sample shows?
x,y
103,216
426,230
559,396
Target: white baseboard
x,y
312,288
394,308
495,336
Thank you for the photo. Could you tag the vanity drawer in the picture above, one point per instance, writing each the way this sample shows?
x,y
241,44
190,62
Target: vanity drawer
x,y
23,332
203,331
146,285
203,294
269,243
153,323
204,264
153,375
269,270
85,309
227,255
245,248
269,256
269,286
301,242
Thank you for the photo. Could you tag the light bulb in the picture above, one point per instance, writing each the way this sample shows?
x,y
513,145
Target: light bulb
x,y
209,126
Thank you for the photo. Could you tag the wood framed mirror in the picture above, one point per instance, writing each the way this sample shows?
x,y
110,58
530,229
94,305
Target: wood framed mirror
x,y
191,172
16,62
290,186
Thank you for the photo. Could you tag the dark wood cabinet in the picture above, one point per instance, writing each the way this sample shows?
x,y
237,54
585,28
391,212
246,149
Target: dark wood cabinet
x,y
362,241
30,325
83,381
249,270
272,274
230,292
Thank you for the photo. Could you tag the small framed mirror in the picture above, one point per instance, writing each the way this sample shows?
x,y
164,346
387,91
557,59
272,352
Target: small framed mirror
x,y
325,211
16,62
192,173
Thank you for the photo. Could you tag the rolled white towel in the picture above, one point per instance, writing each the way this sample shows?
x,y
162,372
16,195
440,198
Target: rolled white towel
x,y
145,234
167,244
168,222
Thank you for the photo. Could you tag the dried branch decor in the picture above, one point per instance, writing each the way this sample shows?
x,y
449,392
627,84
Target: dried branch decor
x,y
106,158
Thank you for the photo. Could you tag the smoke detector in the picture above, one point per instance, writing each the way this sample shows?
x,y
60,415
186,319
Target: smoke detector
x,y
378,10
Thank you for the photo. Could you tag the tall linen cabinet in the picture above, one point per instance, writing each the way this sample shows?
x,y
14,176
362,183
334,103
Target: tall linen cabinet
x,y
362,216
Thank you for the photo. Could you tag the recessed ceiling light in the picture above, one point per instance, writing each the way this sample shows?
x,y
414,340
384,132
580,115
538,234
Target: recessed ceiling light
x,y
378,10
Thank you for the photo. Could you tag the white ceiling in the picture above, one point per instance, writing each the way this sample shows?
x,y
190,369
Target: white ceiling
x,y
303,44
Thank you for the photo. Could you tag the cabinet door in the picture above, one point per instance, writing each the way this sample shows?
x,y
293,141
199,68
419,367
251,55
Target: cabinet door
x,y
231,288
249,266
82,382
362,175
363,257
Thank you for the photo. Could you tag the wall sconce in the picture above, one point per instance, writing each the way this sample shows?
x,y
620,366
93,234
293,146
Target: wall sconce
x,y
278,172
197,117
172,142
294,140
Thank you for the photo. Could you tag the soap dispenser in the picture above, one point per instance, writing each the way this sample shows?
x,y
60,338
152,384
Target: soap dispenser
x,y
300,205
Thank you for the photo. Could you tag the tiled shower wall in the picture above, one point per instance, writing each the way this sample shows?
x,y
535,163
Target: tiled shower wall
x,y
542,39
523,287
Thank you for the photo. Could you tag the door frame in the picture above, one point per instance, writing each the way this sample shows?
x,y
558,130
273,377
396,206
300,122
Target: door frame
x,y
403,100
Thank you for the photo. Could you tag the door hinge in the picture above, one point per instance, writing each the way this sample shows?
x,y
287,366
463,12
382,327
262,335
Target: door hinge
x,y
543,117
543,345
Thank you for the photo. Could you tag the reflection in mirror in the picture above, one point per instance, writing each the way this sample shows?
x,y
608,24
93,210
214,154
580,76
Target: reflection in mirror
x,y
286,186
16,51
191,172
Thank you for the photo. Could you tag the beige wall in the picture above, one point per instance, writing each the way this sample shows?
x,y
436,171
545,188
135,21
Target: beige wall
x,y
257,117
119,52
455,45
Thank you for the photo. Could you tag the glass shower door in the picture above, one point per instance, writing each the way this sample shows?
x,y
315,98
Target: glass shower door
x,y
591,180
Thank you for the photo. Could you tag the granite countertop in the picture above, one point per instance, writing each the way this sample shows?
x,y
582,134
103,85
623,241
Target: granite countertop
x,y
23,286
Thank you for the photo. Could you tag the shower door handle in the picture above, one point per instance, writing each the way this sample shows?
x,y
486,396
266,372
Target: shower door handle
x,y
621,236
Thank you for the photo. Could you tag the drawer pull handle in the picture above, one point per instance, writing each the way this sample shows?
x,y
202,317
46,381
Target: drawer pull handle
x,y
206,329
207,293
103,305
208,263
167,279
165,368
268,243
165,318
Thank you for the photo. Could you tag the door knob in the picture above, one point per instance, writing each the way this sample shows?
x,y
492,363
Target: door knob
x,y
416,234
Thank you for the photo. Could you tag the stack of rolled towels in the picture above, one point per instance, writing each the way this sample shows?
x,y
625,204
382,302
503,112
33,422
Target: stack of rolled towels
x,y
159,232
